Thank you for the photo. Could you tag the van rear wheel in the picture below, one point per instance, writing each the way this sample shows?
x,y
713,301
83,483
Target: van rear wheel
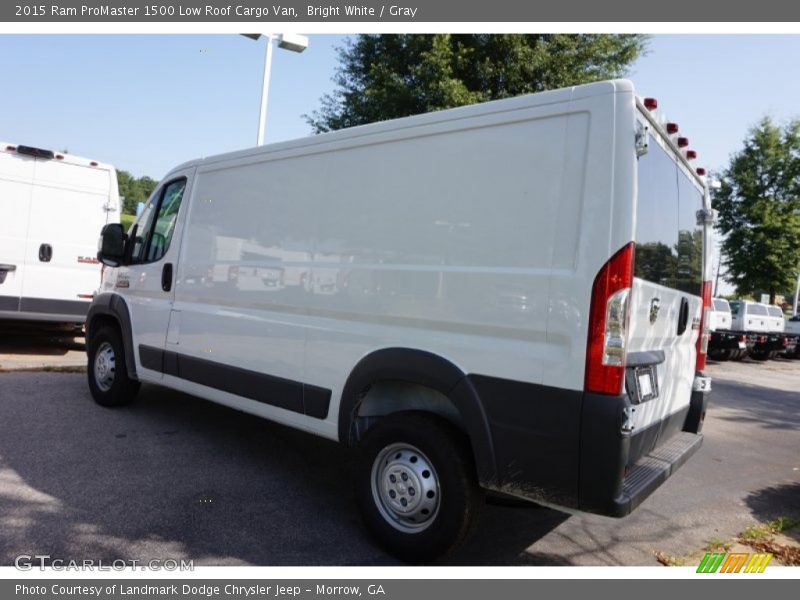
x,y
107,369
416,486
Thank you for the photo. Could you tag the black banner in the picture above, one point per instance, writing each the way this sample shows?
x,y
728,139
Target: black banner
x,y
434,11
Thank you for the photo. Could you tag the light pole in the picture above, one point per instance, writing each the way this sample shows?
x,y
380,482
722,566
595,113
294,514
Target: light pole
x,y
287,41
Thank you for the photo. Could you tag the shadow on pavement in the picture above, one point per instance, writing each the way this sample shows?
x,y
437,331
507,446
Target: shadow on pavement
x,y
775,501
776,409
172,476
30,338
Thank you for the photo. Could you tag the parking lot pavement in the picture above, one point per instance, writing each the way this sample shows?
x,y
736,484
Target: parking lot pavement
x,y
28,346
172,476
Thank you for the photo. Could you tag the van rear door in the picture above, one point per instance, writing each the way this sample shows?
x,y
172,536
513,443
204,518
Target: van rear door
x,y
69,205
16,184
666,296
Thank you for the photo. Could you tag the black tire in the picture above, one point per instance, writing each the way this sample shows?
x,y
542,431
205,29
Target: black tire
x,y
761,355
720,355
458,496
119,389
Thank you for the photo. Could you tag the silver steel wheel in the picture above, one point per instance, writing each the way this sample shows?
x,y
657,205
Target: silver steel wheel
x,y
105,363
405,488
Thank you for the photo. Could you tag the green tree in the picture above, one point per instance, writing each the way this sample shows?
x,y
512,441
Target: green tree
x,y
134,190
759,210
388,76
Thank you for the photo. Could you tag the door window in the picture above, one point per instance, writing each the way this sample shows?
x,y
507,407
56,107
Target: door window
x,y
157,223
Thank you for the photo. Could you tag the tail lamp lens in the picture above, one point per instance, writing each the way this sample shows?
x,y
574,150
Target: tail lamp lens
x,y
608,324
702,339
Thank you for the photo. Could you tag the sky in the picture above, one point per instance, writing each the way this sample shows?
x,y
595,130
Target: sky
x,y
146,103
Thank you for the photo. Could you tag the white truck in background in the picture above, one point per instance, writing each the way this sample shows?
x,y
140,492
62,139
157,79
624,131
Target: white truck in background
x,y
742,328
51,206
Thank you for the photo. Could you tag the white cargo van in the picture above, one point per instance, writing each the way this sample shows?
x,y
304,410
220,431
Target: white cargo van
x,y
507,296
51,205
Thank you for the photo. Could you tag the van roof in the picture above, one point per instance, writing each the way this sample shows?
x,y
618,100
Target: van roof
x,y
600,88
8,148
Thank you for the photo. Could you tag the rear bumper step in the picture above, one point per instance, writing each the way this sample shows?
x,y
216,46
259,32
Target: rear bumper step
x,y
653,469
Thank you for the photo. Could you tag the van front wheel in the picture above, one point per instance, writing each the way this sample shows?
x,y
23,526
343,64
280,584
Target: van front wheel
x,y
416,486
107,370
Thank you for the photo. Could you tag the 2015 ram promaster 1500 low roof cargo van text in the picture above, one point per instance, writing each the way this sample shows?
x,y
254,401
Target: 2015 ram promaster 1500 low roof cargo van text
x,y
507,296
51,206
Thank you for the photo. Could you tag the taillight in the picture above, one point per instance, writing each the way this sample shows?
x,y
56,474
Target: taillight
x,y
702,339
608,324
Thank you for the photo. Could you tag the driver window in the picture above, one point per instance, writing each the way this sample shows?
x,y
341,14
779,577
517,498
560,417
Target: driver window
x,y
157,226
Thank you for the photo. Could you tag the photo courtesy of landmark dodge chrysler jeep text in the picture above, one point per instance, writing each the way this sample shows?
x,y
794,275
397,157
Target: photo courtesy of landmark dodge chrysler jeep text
x,y
508,296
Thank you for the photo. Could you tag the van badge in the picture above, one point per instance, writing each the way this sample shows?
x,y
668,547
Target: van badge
x,y
655,305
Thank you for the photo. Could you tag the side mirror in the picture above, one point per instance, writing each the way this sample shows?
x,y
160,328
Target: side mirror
x,y
111,247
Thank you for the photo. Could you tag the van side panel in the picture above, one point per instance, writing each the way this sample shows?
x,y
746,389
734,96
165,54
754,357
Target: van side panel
x,y
595,219
443,239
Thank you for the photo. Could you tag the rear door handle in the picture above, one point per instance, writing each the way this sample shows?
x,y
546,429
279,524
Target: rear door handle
x,y
683,316
5,270
166,277
45,252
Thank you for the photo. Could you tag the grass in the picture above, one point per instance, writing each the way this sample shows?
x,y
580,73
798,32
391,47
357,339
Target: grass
x,y
759,538
764,530
718,545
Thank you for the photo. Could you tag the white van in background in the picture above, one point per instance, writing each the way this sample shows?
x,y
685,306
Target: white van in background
x,y
51,205
507,296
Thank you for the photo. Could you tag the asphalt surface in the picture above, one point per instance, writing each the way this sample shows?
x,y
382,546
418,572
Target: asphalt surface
x,y
172,476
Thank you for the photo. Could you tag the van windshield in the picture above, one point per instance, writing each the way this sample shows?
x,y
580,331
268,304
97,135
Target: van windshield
x,y
669,243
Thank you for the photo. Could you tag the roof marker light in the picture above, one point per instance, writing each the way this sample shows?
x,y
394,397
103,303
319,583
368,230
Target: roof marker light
x,y
691,154
683,142
11,148
672,128
60,156
650,103
701,171
93,163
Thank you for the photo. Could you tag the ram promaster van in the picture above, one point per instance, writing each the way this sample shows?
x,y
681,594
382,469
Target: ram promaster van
x,y
507,296
51,206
